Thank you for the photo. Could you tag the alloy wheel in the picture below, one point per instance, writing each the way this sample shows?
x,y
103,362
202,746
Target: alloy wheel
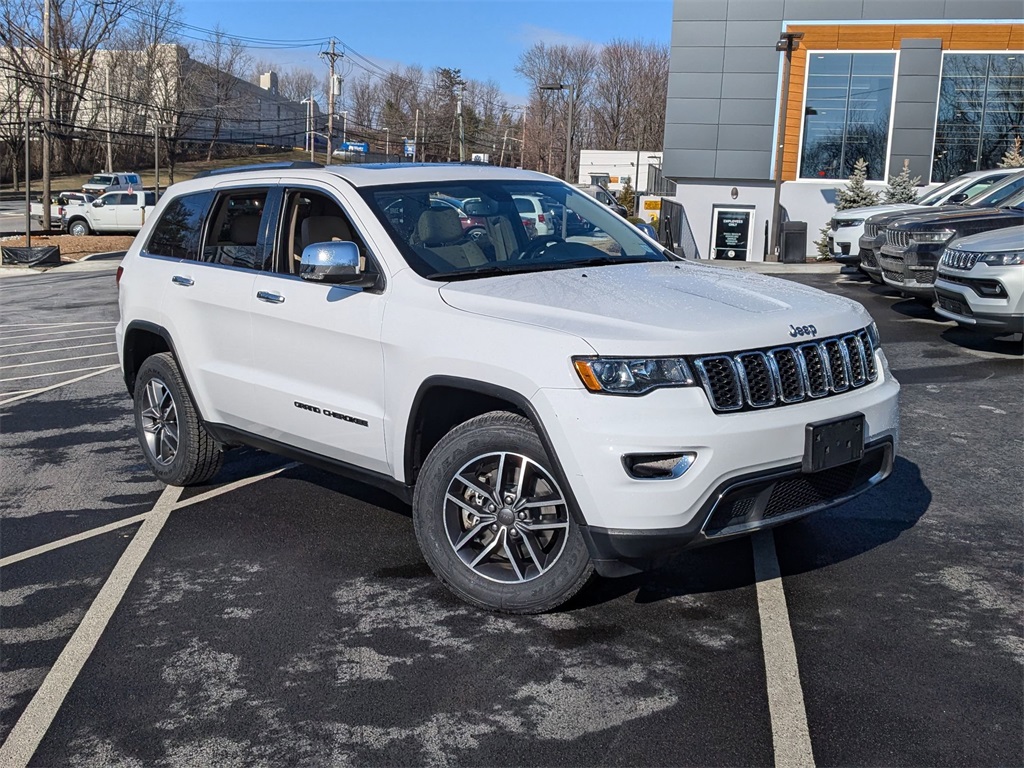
x,y
160,421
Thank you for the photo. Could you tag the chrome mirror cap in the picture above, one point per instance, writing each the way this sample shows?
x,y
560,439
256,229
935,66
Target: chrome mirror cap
x,y
334,262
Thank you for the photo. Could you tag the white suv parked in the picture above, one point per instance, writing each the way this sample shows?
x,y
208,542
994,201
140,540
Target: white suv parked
x,y
980,281
549,406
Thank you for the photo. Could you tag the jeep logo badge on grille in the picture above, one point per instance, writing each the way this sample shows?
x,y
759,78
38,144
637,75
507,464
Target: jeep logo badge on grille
x,y
796,331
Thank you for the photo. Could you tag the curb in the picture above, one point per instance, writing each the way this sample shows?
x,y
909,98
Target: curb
x,y
104,256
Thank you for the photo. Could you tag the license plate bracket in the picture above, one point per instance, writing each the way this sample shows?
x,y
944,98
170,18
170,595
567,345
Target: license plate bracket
x,y
831,443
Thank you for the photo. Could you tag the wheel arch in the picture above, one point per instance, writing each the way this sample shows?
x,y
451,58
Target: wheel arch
x,y
443,402
75,219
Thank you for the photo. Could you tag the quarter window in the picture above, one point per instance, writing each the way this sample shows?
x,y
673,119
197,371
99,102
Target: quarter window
x,y
846,114
981,110
178,234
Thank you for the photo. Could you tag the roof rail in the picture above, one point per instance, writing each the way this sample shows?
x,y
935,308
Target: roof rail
x,y
281,166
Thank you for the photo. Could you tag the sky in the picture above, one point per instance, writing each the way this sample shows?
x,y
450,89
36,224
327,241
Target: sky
x,y
483,38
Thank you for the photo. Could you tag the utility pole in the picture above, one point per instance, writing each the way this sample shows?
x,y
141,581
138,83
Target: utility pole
x,y
332,56
156,158
110,127
415,134
504,140
28,185
462,125
46,115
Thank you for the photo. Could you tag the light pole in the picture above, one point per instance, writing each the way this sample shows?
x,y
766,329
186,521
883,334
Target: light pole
x,y
344,125
568,124
787,43
309,125
387,143
156,155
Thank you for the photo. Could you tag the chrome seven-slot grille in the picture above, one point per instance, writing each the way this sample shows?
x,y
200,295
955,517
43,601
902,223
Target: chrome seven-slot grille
x,y
787,375
871,230
897,238
960,259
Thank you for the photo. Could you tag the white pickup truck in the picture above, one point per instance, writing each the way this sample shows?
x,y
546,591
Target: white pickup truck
x,y
112,212
58,201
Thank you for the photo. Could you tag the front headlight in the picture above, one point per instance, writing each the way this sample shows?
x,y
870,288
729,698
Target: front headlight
x,y
933,236
848,222
632,376
1005,259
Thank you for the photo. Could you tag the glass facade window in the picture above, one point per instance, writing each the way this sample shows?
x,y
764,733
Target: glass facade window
x,y
846,114
981,110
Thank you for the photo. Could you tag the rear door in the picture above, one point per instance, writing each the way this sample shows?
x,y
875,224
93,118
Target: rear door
x,y
128,212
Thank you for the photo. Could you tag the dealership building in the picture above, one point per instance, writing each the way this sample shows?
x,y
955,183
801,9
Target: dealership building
x,y
775,100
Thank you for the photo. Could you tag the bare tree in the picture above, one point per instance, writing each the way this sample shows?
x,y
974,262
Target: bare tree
x,y
225,62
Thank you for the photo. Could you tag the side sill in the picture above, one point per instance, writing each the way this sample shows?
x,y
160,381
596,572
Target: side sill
x,y
226,435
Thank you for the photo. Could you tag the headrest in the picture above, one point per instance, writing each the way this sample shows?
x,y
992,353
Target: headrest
x,y
439,226
324,229
245,229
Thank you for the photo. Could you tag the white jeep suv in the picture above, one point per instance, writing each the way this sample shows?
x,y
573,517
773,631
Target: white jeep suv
x,y
549,405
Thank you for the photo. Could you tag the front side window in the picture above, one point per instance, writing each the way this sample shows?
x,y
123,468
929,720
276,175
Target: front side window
x,y
102,181
178,234
846,114
233,238
981,111
495,227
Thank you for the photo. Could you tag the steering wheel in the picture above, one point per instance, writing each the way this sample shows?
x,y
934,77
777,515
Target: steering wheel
x,y
536,247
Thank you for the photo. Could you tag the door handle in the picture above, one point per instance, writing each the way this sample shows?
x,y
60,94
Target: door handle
x,y
270,298
181,280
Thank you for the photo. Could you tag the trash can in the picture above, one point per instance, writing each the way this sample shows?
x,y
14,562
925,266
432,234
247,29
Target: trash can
x,y
793,243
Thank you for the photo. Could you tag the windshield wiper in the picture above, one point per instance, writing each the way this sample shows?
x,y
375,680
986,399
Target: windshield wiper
x,y
527,265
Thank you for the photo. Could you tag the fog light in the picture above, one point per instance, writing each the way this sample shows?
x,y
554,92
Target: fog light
x,y
657,466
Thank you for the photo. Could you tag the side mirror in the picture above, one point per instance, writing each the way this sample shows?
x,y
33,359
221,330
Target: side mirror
x,y
335,263
98,204
959,197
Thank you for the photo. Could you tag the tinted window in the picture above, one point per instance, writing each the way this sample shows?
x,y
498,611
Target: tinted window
x,y
178,233
234,235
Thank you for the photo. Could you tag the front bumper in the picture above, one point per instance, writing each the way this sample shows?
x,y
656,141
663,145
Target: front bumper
x,y
842,244
627,516
957,299
741,506
910,270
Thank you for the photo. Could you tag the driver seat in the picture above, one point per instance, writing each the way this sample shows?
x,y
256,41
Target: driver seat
x,y
441,231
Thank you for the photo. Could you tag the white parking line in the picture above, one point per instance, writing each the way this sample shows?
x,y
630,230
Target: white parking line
x,y
11,397
34,722
103,323
60,332
57,349
237,484
44,548
58,360
60,340
790,734
55,373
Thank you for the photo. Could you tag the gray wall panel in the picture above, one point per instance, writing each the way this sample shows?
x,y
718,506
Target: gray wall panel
x,y
752,33
737,164
756,138
699,10
748,112
756,10
697,60
698,33
911,114
910,141
752,60
692,111
695,136
886,10
983,9
919,88
750,86
810,10
920,57
694,85
693,163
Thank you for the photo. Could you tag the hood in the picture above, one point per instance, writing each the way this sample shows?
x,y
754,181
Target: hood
x,y
1007,239
661,308
871,210
951,219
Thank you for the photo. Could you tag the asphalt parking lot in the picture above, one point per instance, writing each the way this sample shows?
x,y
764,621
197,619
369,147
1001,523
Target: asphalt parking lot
x,y
282,615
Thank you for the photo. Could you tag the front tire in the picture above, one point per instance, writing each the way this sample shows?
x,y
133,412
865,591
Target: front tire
x,y
493,522
177,446
79,229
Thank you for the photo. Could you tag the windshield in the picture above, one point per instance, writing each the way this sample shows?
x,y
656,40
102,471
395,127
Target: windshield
x,y
451,230
103,180
997,194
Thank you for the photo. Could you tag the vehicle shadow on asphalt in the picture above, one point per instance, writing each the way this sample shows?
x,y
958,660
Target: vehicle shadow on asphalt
x,y
873,519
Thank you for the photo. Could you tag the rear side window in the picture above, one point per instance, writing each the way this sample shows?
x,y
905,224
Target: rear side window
x,y
179,232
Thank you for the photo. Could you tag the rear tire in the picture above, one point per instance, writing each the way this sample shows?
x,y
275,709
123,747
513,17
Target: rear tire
x,y
492,521
174,441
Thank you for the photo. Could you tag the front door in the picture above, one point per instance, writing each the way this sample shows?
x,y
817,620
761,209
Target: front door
x,y
128,212
319,379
